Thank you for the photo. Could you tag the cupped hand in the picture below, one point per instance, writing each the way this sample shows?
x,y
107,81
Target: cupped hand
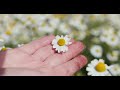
x,y
39,58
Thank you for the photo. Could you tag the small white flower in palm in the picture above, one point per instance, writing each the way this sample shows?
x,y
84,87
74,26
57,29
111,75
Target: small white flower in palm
x,y
3,48
98,68
60,43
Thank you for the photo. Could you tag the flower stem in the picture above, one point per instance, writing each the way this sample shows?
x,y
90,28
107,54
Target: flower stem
x,y
110,73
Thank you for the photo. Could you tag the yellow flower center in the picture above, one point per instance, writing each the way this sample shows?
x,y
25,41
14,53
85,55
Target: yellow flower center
x,y
113,39
61,16
4,49
98,51
61,42
92,18
100,67
8,32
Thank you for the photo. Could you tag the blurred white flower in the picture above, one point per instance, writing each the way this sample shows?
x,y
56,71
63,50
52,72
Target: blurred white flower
x,y
1,40
115,69
6,36
113,56
82,35
95,32
96,51
97,17
113,40
77,21
106,33
114,20
46,29
109,36
54,22
3,48
64,28
97,68
60,43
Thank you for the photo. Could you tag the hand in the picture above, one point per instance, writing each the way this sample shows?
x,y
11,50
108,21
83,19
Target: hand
x,y
38,56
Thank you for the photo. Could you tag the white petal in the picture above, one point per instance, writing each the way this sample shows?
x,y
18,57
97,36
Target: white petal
x,y
101,60
88,69
62,36
54,46
1,40
89,73
66,48
54,41
57,37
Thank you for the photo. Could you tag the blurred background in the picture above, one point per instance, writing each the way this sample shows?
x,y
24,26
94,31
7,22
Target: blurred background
x,y
99,32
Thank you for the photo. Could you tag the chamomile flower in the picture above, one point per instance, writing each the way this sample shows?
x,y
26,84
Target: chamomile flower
x,y
3,48
113,56
96,51
115,69
113,40
1,40
60,43
97,68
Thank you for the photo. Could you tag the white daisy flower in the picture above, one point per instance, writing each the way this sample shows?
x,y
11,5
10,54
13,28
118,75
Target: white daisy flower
x,y
106,33
64,28
3,48
96,51
60,43
98,68
113,56
1,40
115,69
113,40
82,35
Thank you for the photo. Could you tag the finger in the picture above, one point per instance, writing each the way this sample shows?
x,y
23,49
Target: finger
x,y
43,53
74,65
74,50
35,45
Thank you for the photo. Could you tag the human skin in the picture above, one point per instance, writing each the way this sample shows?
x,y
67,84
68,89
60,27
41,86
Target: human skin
x,y
38,58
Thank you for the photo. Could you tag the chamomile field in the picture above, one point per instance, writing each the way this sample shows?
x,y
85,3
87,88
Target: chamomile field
x,y
99,32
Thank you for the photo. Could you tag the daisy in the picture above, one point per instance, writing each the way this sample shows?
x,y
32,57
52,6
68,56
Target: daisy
x,y
113,40
64,28
1,40
60,43
96,51
115,69
3,48
113,56
97,68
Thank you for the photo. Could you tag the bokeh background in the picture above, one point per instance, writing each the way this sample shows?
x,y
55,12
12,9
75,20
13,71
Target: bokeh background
x,y
99,32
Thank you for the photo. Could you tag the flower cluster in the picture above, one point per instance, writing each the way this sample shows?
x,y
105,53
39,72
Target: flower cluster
x,y
99,32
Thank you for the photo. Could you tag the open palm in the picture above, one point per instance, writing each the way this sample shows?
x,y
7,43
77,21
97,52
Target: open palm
x,y
39,57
